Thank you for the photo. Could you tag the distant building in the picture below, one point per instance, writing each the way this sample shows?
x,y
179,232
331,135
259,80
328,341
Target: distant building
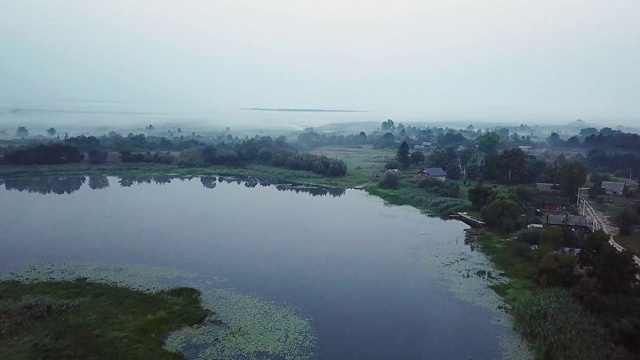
x,y
525,148
418,147
461,147
436,173
612,188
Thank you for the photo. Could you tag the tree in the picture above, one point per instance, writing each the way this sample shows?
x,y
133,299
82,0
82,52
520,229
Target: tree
x,y
556,270
551,238
417,157
480,196
389,181
51,132
388,125
573,176
513,165
385,141
615,270
453,170
502,214
554,139
22,132
489,143
403,154
626,219
97,156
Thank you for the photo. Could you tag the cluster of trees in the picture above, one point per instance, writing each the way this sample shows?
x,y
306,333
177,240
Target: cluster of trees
x,y
311,139
44,154
606,283
265,151
135,148
502,210
619,163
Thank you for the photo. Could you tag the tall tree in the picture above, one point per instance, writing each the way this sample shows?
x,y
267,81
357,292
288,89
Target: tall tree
x,y
403,154
489,143
22,132
572,177
51,132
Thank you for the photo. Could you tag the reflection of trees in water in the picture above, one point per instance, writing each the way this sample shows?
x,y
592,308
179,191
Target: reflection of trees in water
x,y
97,182
162,179
252,182
312,190
48,185
69,184
208,182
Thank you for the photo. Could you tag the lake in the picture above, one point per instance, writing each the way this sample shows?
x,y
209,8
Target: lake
x,y
373,281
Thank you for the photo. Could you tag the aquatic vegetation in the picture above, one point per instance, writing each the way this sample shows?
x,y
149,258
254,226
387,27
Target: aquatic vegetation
x,y
253,329
245,326
82,320
471,276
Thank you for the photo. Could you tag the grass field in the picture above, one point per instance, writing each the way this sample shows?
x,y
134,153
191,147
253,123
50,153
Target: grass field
x,y
361,162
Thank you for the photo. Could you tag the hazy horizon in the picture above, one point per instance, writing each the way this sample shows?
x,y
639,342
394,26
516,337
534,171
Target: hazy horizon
x,y
485,61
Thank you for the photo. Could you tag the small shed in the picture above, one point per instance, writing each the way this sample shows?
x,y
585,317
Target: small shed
x,y
612,187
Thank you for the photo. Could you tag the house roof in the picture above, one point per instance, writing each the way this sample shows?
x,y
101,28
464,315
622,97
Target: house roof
x,y
554,200
435,172
545,186
613,186
571,220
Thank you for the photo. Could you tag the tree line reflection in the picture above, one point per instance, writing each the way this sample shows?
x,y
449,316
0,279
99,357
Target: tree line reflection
x,y
68,184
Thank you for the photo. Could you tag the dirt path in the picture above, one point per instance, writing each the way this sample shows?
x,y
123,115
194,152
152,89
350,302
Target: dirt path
x,y
600,222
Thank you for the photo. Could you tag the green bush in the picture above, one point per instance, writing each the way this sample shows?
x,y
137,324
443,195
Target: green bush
x,y
389,181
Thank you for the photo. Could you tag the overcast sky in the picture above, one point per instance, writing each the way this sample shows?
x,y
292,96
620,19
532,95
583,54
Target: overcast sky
x,y
569,58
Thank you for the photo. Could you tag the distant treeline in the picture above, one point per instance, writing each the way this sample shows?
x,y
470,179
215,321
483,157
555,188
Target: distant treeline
x,y
44,154
260,150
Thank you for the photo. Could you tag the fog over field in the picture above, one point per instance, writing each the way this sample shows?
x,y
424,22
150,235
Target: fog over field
x,y
122,63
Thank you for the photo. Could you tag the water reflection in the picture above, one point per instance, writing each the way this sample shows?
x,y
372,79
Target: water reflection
x,y
97,182
48,185
70,184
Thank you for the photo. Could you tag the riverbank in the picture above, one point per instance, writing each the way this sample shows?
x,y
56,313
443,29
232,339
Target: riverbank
x,y
81,319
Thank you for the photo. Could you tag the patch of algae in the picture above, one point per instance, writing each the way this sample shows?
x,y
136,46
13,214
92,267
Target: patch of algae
x,y
244,327
469,278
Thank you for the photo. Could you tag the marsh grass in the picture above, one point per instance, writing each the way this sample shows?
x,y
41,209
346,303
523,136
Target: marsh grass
x,y
558,328
516,265
420,199
85,320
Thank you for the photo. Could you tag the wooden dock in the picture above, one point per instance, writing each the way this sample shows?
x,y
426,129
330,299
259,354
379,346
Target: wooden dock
x,y
468,220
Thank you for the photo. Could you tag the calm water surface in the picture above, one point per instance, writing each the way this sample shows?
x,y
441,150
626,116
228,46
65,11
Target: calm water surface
x,y
375,279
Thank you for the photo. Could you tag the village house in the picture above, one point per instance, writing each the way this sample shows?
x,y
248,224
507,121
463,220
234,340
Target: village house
x,y
575,222
436,173
612,187
553,203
